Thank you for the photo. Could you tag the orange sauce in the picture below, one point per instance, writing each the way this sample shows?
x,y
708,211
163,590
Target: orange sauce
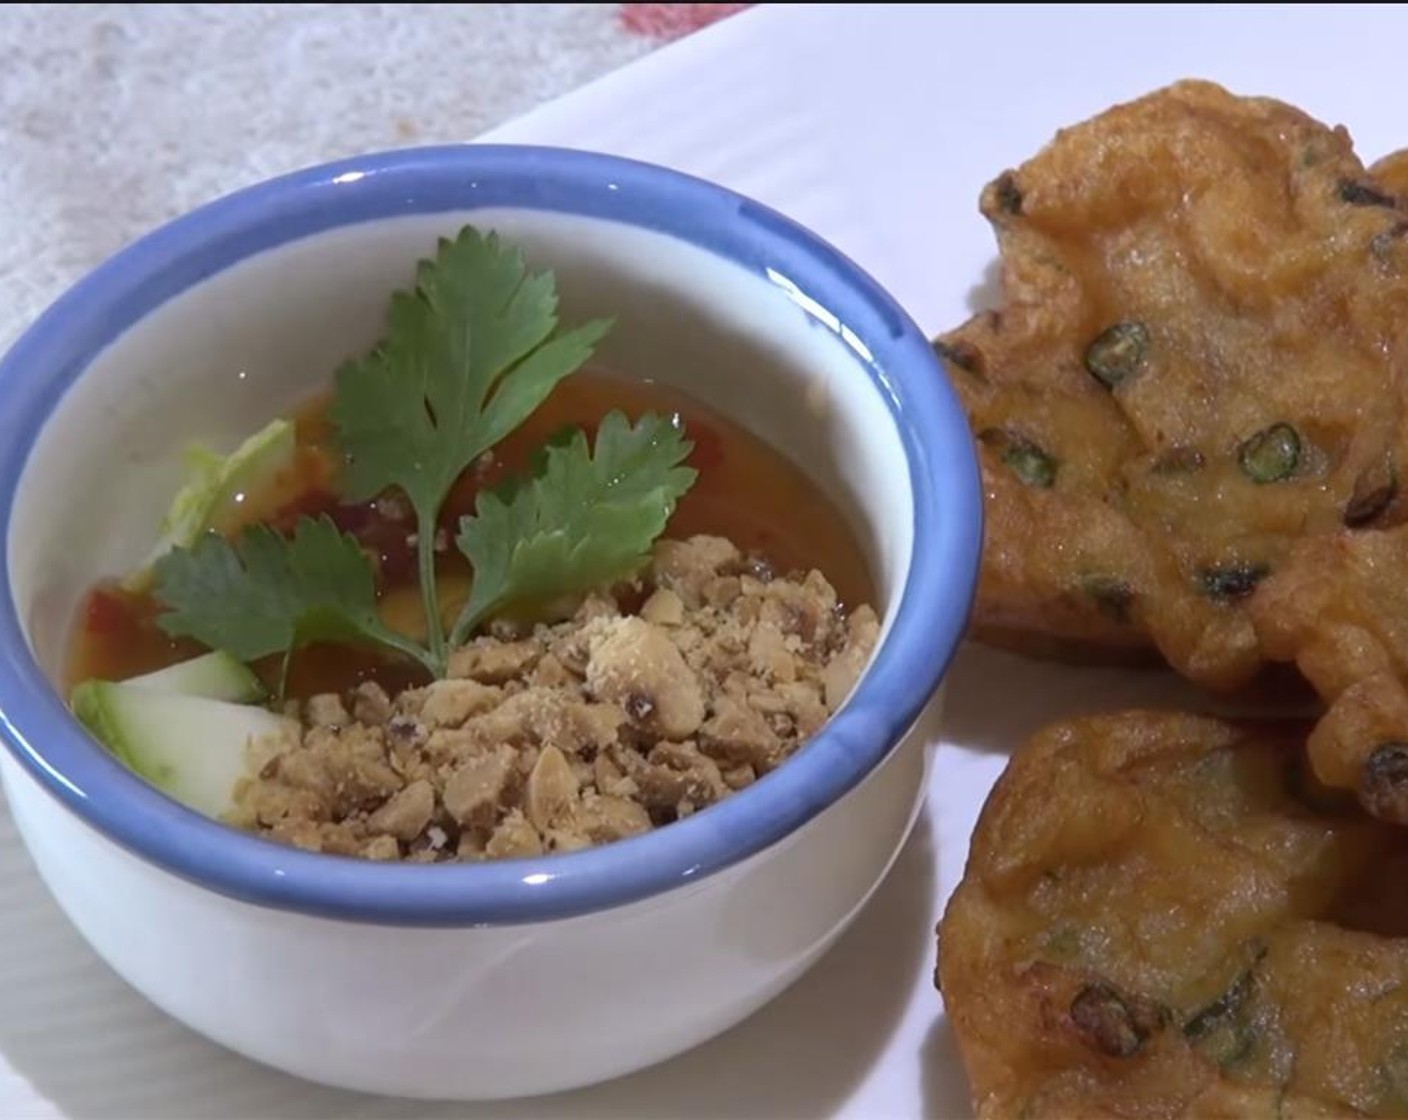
x,y
745,491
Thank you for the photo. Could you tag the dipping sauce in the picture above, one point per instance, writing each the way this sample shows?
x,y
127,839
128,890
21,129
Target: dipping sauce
x,y
746,491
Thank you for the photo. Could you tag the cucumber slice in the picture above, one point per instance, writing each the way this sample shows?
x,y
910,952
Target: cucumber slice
x,y
213,483
216,676
190,747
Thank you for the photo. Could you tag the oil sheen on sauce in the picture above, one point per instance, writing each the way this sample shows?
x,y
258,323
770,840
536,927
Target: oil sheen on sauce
x,y
745,491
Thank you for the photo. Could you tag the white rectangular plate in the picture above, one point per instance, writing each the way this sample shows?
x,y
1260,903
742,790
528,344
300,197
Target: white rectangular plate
x,y
877,127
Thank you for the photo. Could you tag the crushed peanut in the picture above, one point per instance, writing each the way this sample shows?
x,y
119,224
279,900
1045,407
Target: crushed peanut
x,y
646,706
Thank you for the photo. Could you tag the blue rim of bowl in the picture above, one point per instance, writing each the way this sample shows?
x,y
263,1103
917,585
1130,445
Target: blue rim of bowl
x,y
928,622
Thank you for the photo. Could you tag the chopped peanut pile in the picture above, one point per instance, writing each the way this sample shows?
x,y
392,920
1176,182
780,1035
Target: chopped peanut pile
x,y
643,708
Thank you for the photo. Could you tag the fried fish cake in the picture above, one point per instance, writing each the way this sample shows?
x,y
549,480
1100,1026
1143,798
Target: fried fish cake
x,y
1199,359
1163,916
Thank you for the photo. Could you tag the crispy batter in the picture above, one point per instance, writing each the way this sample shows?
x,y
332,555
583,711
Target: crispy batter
x,y
1338,608
1164,916
1197,362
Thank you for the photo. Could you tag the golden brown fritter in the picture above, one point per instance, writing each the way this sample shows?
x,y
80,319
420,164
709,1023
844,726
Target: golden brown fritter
x,y
1198,361
1163,916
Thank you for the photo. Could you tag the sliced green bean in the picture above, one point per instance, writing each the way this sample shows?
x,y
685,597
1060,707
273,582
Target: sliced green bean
x,y
1271,455
1226,583
1117,353
1022,456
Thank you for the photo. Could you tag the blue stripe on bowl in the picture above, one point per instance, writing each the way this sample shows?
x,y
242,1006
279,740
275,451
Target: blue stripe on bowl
x,y
931,616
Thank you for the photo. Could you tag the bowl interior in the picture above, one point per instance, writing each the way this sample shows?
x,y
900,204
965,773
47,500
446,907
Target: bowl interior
x,y
217,361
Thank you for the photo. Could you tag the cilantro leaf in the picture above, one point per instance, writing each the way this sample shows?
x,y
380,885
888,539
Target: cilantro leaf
x,y
467,357
583,520
268,594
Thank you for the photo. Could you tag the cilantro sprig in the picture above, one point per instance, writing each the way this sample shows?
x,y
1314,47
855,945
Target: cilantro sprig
x,y
469,354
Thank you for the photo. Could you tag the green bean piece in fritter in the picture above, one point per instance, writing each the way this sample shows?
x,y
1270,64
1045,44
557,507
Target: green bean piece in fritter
x,y
1271,455
1118,353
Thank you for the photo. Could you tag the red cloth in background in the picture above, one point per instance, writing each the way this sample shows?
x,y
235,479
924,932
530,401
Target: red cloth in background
x,y
672,21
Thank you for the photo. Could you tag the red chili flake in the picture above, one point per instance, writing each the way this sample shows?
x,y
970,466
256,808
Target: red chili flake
x,y
673,21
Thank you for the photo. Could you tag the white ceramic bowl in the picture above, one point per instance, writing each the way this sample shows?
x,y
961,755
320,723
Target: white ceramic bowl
x,y
472,981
